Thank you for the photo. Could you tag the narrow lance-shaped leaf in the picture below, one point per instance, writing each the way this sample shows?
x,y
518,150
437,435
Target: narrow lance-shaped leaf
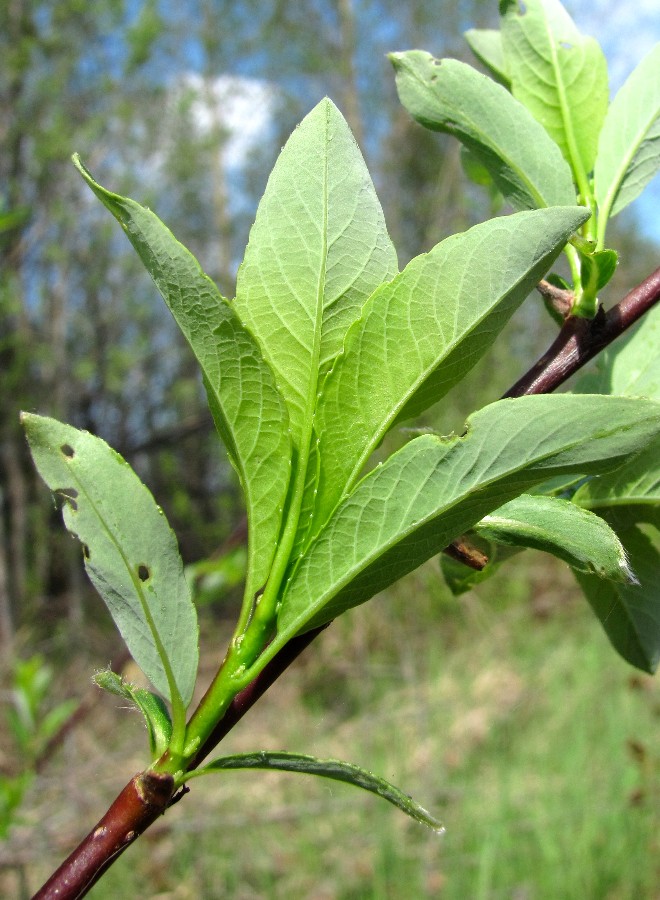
x,y
629,145
422,497
583,540
560,75
317,250
447,95
420,334
130,552
486,44
326,768
249,413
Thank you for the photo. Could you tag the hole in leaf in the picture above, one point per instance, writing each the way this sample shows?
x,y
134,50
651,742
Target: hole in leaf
x,y
522,8
565,45
143,573
69,494
85,550
68,451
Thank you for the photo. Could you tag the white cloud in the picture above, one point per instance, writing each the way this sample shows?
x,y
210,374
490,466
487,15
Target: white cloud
x,y
241,107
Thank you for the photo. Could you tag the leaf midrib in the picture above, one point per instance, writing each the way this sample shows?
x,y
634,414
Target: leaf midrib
x,y
368,559
175,695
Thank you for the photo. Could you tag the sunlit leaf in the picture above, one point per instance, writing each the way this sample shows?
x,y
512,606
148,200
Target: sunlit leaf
x,y
434,489
249,413
629,146
130,552
560,75
583,540
317,250
421,333
448,95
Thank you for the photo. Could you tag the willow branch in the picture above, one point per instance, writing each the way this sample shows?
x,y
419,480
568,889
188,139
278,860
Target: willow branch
x,y
148,795
579,340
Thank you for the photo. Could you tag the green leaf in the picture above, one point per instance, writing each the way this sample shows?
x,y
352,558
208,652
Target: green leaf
x,y
249,413
410,507
558,74
131,554
596,269
630,367
317,250
630,613
447,95
629,146
156,715
583,540
326,768
486,44
421,333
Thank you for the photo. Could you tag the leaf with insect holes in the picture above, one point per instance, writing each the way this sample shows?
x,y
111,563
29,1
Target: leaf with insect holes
x,y
434,489
559,75
629,146
326,768
421,333
249,413
131,554
450,96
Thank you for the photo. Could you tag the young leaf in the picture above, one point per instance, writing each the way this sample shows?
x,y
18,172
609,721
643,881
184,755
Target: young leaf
x,y
326,768
629,146
414,504
558,74
420,334
131,554
249,413
583,540
486,44
630,613
156,715
447,95
317,250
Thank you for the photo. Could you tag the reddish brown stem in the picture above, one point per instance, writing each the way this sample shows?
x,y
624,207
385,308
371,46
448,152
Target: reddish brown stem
x,y
581,339
143,800
147,795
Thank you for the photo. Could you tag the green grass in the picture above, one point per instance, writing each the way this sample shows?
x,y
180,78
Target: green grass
x,y
513,720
